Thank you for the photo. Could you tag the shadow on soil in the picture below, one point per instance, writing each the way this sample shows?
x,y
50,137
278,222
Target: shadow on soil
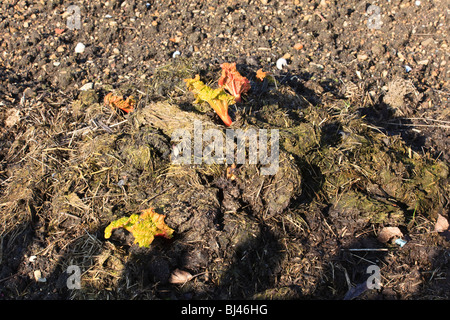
x,y
382,116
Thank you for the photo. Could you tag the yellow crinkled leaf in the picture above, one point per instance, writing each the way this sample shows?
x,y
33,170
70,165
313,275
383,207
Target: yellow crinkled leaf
x,y
218,99
144,227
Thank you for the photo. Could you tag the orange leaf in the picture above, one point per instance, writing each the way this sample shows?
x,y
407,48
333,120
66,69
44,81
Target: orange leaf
x,y
260,75
126,105
232,80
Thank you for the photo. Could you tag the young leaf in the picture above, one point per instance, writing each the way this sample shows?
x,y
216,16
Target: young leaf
x,y
194,84
144,227
218,99
232,80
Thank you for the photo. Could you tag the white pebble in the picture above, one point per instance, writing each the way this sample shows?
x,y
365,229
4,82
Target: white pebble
x,y
87,86
176,54
80,48
281,63
38,276
417,3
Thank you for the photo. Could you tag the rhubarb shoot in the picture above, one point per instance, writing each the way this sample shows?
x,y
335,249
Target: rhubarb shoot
x,y
233,81
218,99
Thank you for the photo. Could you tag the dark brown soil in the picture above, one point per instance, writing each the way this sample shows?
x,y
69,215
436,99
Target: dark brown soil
x,y
364,121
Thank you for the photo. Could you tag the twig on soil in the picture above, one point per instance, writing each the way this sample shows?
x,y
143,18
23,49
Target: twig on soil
x,y
118,123
81,130
427,119
7,278
99,123
365,249
420,125
58,148
1,249
70,215
194,276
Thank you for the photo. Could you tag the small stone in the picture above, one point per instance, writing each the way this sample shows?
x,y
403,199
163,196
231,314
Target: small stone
x,y
29,93
38,276
362,57
427,42
316,65
80,48
423,62
251,61
87,86
378,49
116,51
298,46
60,49
13,117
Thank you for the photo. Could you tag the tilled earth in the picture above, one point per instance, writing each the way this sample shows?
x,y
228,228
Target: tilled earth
x,y
364,89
